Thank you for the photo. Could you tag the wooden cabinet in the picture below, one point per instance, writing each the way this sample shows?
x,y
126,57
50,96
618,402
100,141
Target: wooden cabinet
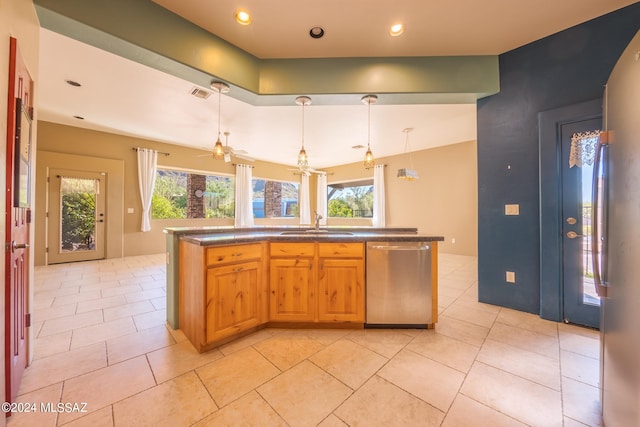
x,y
341,290
291,289
232,299
317,282
341,282
222,291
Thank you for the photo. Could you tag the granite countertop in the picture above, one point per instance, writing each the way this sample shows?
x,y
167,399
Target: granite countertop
x,y
226,235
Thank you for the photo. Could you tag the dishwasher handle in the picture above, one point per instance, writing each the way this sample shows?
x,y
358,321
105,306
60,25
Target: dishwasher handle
x,y
400,247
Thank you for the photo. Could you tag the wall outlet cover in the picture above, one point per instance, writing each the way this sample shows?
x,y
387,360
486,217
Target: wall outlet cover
x,y
510,277
513,209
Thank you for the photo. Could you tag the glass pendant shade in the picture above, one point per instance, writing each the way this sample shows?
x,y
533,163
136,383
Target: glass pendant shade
x,y
303,160
368,159
218,150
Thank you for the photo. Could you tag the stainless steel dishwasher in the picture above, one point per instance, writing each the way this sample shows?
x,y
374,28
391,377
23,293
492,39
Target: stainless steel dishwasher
x,y
399,285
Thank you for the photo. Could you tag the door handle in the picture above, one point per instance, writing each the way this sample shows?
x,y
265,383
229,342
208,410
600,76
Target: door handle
x,y
573,234
15,246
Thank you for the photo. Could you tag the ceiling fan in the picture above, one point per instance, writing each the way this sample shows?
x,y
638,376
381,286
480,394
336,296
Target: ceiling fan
x,y
230,151
305,170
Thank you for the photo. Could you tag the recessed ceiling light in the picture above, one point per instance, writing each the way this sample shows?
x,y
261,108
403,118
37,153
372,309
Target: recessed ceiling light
x,y
73,83
396,29
316,32
243,17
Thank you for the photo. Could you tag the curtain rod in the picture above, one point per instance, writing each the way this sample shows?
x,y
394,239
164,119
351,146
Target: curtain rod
x,y
240,164
376,165
317,173
159,152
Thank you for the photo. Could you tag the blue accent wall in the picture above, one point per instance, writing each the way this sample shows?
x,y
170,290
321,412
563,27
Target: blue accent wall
x,y
560,70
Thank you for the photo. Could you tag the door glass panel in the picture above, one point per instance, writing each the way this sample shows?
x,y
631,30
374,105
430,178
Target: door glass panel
x,y
78,214
589,295
579,142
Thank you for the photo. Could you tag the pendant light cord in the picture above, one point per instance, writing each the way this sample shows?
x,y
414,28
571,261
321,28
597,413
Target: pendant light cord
x,y
303,105
406,148
219,101
369,124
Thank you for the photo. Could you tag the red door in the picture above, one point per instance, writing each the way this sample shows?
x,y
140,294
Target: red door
x,y
18,217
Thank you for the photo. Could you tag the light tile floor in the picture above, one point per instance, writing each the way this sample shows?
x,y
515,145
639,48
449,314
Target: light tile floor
x,y
102,339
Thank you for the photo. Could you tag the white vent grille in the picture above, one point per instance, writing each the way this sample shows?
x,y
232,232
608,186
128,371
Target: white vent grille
x,y
199,93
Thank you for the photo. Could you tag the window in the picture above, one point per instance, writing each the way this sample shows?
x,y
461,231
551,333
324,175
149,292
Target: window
x,y
191,195
275,199
350,199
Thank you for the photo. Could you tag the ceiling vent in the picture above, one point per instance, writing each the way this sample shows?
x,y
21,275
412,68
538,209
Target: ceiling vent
x,y
199,93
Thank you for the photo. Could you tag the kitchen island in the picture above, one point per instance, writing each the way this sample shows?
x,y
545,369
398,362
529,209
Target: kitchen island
x,y
223,282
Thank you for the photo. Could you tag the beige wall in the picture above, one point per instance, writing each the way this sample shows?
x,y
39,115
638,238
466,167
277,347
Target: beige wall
x,y
17,19
59,144
442,202
114,218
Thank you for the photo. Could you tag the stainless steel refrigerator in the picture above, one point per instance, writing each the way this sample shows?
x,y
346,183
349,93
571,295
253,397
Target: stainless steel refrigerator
x,y
618,242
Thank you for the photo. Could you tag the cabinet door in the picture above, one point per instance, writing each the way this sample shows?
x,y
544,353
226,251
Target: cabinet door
x,y
232,299
292,290
341,290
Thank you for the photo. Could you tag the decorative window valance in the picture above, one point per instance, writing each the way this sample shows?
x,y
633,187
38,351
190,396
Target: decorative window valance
x,y
583,148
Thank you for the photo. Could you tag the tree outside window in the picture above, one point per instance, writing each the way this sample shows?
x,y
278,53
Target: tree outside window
x,y
350,199
180,194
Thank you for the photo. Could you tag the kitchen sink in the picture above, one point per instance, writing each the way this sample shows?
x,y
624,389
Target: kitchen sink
x,y
316,232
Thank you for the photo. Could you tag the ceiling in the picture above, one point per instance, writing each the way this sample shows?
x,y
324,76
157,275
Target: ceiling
x,y
124,97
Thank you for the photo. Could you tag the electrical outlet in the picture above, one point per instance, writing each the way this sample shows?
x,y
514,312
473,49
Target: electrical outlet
x,y
510,277
129,210
453,240
512,209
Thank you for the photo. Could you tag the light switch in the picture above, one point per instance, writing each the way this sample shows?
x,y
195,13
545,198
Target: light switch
x,y
512,209
510,277
129,210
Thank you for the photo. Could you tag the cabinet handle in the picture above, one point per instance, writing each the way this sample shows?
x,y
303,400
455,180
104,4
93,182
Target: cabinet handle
x,y
238,254
235,270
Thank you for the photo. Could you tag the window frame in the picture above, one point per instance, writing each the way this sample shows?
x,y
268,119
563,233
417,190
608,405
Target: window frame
x,y
194,172
297,215
363,182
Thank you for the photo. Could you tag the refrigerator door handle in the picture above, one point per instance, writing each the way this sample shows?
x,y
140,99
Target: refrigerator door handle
x,y
598,246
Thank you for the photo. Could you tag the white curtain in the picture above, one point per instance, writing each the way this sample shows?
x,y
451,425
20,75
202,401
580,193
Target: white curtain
x,y
304,202
379,219
147,167
244,196
321,198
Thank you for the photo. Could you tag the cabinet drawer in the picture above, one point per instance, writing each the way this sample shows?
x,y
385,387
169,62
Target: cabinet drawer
x,y
341,250
292,249
235,253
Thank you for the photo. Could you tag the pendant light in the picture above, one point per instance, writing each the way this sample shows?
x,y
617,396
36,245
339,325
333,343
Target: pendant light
x,y
218,148
303,160
408,174
368,156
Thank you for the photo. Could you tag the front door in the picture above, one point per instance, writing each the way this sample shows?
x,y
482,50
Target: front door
x,y
18,219
76,216
581,304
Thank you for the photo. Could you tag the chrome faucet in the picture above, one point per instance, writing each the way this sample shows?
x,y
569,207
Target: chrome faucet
x,y
318,218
